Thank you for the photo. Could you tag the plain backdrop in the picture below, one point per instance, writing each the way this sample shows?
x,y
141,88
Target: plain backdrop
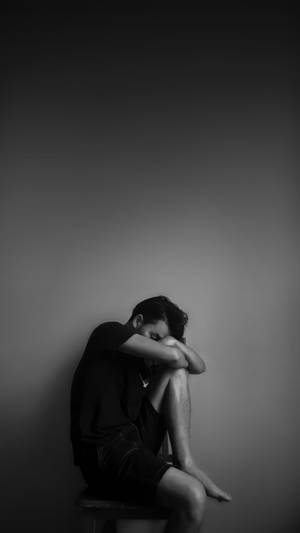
x,y
151,152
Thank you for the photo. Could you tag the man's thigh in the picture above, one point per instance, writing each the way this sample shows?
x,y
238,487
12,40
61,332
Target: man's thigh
x,y
176,488
127,470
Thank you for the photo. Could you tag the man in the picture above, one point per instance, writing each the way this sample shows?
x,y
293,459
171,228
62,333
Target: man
x,y
131,385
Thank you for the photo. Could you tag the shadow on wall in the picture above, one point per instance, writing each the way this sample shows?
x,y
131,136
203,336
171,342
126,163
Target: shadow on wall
x,y
41,482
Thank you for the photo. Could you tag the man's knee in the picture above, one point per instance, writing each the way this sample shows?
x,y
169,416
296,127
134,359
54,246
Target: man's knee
x,y
192,503
172,373
178,378
180,373
177,491
195,499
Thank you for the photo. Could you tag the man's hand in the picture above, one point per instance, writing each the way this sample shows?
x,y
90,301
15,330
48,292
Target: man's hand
x,y
195,364
181,360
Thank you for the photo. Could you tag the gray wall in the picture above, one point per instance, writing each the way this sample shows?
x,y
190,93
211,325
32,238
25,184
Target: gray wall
x,y
148,153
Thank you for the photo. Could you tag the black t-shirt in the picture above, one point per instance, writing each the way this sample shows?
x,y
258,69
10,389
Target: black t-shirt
x,y
107,387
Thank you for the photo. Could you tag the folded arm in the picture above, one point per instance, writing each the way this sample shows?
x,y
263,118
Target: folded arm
x,y
195,362
155,352
168,351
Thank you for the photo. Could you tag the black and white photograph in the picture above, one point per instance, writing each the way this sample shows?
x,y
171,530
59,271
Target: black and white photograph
x,y
149,222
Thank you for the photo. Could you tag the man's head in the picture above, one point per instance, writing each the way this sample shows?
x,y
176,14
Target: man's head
x,y
158,317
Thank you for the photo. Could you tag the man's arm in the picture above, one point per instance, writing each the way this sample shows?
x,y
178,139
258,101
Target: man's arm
x,y
196,364
154,351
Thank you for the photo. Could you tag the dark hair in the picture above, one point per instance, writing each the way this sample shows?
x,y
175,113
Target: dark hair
x,y
161,308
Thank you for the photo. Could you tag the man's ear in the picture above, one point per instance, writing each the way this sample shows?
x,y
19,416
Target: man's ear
x,y
138,321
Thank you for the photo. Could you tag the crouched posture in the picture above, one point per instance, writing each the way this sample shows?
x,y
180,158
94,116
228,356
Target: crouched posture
x,y
130,387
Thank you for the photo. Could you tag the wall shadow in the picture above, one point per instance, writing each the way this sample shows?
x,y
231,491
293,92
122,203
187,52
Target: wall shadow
x,y
41,483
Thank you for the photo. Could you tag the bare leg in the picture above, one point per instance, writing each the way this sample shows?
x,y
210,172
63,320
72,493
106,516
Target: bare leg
x,y
185,496
170,395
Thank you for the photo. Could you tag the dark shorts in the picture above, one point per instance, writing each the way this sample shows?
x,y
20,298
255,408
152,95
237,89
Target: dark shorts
x,y
128,467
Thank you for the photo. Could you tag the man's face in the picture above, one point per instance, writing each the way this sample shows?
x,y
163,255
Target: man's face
x,y
156,331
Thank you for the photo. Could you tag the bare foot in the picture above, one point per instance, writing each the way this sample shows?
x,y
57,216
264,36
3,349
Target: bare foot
x,y
218,494
212,490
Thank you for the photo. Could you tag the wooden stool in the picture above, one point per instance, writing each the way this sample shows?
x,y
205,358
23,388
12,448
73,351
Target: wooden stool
x,y
101,516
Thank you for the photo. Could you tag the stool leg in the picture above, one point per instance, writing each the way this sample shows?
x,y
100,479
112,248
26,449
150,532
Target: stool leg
x,y
90,524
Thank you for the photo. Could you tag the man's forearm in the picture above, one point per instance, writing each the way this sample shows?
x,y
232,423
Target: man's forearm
x,y
196,364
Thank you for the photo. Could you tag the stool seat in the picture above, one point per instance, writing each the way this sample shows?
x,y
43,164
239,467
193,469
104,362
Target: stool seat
x,y
91,503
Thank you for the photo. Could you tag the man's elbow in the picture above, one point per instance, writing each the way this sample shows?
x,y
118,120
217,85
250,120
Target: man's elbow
x,y
203,368
199,368
179,361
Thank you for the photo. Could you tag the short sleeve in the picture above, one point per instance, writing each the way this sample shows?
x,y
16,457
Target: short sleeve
x,y
110,335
